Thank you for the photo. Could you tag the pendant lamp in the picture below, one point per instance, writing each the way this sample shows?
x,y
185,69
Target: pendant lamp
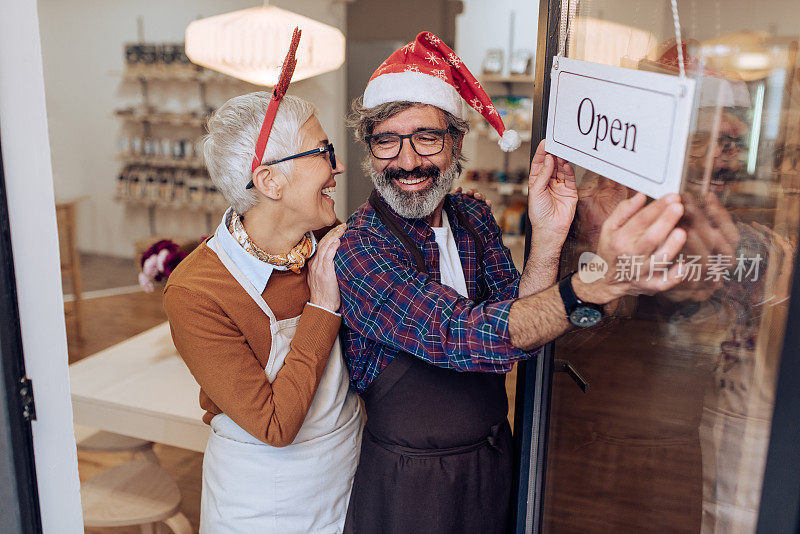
x,y
250,44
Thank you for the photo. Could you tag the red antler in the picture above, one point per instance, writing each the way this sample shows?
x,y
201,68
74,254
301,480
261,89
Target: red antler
x,y
288,67
277,93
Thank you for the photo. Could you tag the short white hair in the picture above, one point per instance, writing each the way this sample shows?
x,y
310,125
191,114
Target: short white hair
x,y
230,145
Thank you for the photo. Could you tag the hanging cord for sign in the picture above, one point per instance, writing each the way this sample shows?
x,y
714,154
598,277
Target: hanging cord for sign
x,y
565,24
678,41
562,27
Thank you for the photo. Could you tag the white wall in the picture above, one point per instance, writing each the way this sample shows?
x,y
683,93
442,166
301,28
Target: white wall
x,y
82,47
29,183
487,24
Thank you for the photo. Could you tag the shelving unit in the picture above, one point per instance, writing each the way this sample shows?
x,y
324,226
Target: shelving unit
x,y
161,168
507,78
501,188
503,194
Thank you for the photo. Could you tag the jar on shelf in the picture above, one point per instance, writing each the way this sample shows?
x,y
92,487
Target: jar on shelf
x,y
180,191
179,149
122,185
151,192
165,187
212,196
135,186
166,146
147,54
197,190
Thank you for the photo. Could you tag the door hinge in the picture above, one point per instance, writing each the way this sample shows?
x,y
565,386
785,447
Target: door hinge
x,y
25,391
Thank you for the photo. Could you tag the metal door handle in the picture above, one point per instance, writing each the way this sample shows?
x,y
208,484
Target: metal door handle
x,y
563,366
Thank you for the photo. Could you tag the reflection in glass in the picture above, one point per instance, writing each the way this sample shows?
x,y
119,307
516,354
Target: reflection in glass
x,y
673,434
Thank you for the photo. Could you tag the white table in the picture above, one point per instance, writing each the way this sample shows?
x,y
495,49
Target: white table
x,y
140,388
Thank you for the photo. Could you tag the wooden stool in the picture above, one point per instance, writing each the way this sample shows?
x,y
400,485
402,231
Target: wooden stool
x,y
92,440
133,493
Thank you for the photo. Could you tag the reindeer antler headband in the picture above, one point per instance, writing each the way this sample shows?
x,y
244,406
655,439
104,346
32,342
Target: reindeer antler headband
x,y
277,93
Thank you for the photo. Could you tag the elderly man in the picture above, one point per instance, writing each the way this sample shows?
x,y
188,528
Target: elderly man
x,y
435,312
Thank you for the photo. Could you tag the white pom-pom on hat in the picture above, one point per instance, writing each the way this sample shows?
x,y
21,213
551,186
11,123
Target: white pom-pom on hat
x,y
509,141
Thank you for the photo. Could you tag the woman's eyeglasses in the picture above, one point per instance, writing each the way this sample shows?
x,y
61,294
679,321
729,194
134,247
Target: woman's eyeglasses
x,y
327,148
388,145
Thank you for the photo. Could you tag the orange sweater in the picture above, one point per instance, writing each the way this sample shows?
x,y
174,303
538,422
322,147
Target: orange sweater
x,y
224,338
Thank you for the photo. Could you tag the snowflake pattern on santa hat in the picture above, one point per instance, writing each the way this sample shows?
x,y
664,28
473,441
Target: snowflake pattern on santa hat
x,y
428,71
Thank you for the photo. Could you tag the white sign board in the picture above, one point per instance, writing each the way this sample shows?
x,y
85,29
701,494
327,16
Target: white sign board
x,y
627,125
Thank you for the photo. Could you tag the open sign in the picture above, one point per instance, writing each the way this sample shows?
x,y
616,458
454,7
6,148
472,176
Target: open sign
x,y
630,126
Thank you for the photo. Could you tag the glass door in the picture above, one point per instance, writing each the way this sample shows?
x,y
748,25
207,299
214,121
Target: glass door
x,y
673,433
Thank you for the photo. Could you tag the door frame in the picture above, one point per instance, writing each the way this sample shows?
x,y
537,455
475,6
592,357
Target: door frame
x,y
779,510
32,221
535,377
18,486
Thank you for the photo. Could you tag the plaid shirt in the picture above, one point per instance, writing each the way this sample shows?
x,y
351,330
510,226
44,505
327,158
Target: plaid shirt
x,y
389,307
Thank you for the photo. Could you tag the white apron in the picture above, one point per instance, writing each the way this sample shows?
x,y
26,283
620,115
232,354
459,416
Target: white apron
x,y
250,487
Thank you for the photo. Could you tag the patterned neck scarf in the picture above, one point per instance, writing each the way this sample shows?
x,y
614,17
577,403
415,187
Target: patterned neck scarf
x,y
294,260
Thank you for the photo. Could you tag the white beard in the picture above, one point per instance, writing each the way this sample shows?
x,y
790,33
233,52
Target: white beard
x,y
414,204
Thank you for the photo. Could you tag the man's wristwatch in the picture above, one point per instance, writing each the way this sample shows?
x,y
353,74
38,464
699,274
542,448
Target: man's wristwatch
x,y
579,313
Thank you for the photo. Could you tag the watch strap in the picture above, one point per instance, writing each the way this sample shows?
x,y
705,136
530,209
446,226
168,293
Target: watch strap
x,y
571,300
568,296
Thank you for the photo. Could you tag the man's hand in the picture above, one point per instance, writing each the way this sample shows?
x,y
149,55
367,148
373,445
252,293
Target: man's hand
x,y
640,236
599,196
552,198
632,230
710,231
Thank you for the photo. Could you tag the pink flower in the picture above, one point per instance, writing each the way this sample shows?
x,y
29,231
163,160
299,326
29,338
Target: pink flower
x,y
146,283
172,261
160,259
157,247
158,262
150,267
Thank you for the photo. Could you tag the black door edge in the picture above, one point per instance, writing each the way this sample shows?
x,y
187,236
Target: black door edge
x,y
534,377
19,442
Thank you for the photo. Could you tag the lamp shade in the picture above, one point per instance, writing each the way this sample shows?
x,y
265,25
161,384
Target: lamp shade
x,y
250,44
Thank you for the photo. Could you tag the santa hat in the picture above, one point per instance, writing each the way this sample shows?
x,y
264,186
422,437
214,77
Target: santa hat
x,y
428,71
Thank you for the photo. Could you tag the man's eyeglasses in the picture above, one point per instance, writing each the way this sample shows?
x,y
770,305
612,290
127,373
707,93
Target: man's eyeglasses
x,y
389,145
327,148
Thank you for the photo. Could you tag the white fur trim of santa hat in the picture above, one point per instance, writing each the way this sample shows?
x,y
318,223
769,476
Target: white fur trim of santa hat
x,y
413,87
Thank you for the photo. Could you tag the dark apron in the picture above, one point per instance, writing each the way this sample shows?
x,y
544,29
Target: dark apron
x,y
436,453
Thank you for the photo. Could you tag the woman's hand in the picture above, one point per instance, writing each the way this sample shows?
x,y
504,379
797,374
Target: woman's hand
x,y
474,193
552,199
321,276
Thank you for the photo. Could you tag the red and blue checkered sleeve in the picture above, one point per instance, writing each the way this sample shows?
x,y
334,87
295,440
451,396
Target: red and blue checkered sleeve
x,y
386,300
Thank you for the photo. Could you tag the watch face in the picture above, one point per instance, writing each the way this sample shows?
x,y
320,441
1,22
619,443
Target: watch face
x,y
585,316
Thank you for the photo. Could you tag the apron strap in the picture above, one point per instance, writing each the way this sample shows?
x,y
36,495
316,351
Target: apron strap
x,y
483,291
240,277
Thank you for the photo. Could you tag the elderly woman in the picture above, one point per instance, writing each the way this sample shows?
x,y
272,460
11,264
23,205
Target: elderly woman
x,y
257,326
